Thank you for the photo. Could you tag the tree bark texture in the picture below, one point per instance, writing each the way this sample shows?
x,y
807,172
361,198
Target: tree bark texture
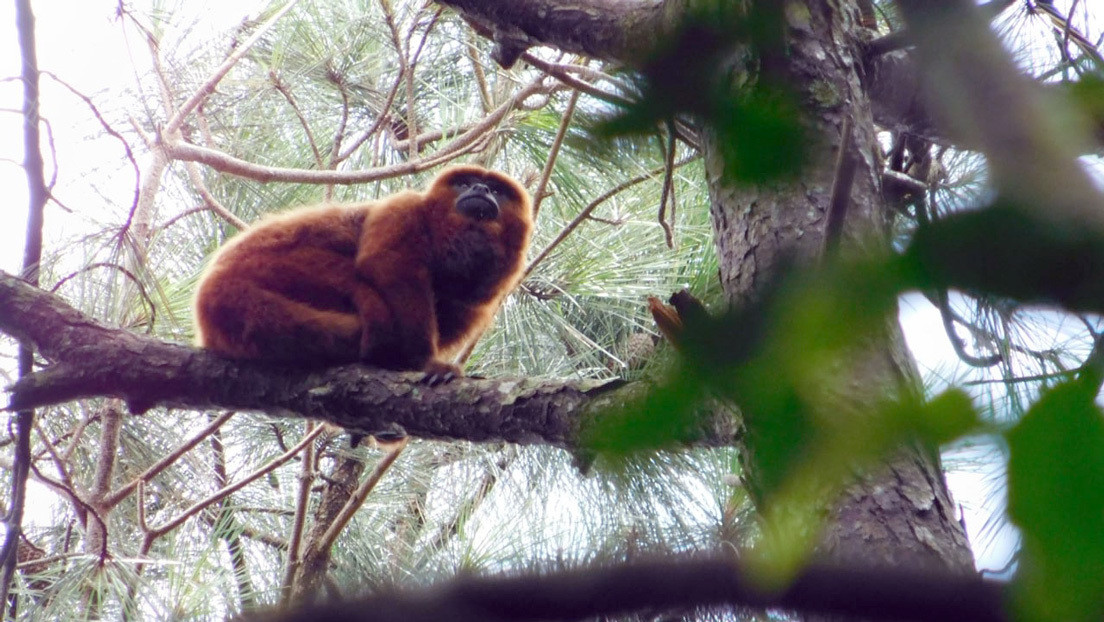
x,y
902,514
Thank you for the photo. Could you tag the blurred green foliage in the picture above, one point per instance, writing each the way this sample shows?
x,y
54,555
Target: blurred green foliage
x,y
1055,496
784,363
753,115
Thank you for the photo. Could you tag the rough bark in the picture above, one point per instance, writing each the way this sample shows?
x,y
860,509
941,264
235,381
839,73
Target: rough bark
x,y
621,31
613,30
89,360
901,514
314,561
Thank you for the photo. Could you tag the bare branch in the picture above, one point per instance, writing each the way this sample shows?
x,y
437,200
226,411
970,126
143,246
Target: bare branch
x,y
359,496
209,199
285,90
32,254
553,152
223,492
299,520
180,150
114,497
586,211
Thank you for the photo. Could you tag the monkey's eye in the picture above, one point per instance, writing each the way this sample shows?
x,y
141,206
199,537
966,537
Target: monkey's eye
x,y
501,190
464,182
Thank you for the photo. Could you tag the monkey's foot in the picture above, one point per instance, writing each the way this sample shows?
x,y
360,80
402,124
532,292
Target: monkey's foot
x,y
438,372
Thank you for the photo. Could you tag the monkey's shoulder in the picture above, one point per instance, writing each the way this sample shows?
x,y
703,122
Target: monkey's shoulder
x,y
333,226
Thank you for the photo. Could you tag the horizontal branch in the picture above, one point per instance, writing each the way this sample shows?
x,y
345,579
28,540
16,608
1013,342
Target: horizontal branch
x,y
225,163
89,360
675,584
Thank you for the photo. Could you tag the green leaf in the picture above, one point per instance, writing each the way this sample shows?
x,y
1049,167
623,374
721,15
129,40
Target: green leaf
x,y
753,114
1011,251
1056,496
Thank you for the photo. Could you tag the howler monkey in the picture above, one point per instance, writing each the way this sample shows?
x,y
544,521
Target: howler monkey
x,y
401,283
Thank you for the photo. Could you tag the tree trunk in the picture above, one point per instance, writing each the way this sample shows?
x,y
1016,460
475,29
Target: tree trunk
x,y
902,514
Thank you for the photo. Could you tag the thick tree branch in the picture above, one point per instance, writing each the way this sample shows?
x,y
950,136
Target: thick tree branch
x,y
616,30
676,584
89,359
623,31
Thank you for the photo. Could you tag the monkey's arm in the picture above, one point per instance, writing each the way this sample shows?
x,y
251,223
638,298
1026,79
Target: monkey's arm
x,y
395,300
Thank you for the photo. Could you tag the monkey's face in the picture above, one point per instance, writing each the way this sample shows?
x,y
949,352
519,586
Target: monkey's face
x,y
469,199
481,197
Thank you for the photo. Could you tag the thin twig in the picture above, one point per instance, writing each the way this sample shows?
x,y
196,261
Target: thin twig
x,y
212,204
32,255
82,508
553,152
133,278
841,188
339,133
284,90
360,495
59,464
558,72
302,502
226,490
227,528
477,70
114,497
226,163
107,128
585,213
383,112
77,435
177,120
668,186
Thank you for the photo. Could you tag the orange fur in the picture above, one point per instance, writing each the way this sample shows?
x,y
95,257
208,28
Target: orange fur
x,y
401,283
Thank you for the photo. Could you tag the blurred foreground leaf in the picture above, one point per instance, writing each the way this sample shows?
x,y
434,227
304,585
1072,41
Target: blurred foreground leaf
x,y
788,362
1013,252
754,116
1056,496
794,513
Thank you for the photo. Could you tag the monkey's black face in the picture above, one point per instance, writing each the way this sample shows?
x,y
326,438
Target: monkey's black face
x,y
478,202
481,197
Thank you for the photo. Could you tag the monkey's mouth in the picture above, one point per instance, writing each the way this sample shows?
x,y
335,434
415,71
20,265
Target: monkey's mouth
x,y
478,207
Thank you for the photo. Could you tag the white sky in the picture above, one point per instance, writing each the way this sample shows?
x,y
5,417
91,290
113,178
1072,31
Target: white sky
x,y
81,42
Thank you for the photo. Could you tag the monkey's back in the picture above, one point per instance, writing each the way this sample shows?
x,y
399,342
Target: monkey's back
x,y
281,289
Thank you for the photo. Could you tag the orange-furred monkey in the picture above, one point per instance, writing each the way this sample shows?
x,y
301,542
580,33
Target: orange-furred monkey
x,y
401,283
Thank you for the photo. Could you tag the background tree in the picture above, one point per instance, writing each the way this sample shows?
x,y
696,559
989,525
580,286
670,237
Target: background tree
x,y
340,102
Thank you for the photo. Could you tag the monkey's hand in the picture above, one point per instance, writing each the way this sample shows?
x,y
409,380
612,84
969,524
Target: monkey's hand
x,y
440,372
